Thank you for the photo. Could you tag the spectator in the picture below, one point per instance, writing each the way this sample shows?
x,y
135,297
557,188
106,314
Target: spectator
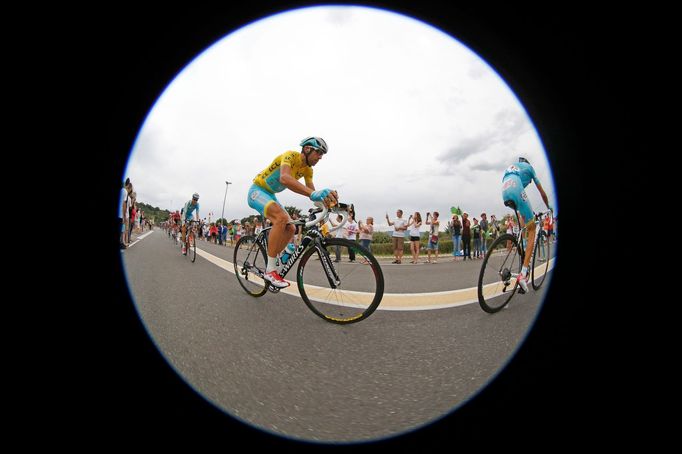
x,y
351,228
123,213
366,232
433,236
466,236
456,226
511,227
546,221
298,233
214,233
141,221
324,230
484,234
494,227
399,228
414,223
133,214
476,234
340,233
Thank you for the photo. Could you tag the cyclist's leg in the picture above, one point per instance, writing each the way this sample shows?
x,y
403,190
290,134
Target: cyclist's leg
x,y
528,220
512,190
269,207
282,232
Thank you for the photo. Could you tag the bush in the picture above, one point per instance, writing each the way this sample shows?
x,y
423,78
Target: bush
x,y
445,246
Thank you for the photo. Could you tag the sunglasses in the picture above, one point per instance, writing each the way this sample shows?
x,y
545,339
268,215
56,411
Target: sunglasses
x,y
319,151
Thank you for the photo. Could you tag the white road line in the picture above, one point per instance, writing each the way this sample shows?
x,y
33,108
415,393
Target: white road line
x,y
141,237
389,302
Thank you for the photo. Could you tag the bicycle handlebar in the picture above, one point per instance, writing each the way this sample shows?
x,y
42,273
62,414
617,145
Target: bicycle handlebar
x,y
339,209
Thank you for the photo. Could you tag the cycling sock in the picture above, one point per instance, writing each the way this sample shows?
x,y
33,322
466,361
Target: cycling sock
x,y
524,270
272,264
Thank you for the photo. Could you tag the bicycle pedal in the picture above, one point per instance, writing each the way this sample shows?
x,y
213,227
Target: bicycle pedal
x,y
273,289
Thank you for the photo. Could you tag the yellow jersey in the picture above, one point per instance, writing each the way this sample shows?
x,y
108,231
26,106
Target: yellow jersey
x,y
268,179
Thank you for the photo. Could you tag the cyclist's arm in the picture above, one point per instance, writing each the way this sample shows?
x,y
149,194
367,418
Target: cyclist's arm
x,y
293,184
543,194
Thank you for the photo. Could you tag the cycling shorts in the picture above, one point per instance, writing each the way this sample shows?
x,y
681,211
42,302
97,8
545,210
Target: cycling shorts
x,y
259,199
512,189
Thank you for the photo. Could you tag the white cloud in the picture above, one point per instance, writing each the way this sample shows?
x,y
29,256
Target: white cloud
x,y
413,119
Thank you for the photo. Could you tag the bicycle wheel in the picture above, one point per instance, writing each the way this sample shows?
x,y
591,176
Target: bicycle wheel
x,y
541,258
250,261
192,247
354,289
497,281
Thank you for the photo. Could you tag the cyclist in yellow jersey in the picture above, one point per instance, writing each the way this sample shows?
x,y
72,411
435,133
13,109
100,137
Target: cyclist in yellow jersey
x,y
284,173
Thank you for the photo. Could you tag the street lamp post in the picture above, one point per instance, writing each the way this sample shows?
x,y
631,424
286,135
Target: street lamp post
x,y
227,185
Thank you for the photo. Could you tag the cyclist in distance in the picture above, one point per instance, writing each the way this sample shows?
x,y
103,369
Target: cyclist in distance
x,y
284,173
515,179
190,207
175,218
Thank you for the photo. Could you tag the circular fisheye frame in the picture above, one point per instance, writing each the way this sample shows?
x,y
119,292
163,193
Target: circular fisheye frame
x,y
381,88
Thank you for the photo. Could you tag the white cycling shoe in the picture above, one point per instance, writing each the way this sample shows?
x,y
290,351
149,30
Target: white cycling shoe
x,y
523,282
275,279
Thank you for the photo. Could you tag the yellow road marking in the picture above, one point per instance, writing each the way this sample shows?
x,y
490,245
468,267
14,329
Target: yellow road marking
x,y
390,301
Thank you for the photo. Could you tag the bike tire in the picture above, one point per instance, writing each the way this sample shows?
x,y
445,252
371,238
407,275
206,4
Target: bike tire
x,y
192,247
361,285
542,251
247,250
498,271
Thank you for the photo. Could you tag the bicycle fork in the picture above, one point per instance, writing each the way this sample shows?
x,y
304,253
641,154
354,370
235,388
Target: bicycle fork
x,y
327,264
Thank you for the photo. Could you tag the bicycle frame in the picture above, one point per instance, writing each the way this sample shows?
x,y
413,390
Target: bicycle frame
x,y
520,236
313,236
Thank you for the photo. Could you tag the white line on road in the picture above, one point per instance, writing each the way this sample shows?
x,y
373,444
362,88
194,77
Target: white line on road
x,y
141,237
390,301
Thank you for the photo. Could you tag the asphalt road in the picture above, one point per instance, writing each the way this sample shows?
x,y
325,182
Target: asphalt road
x,y
272,363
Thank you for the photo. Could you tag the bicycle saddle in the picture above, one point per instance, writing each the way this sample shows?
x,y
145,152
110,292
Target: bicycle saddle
x,y
510,204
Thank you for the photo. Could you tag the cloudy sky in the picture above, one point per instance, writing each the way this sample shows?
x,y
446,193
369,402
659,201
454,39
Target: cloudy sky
x,y
413,119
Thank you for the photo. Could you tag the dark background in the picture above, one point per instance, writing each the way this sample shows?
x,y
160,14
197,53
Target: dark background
x,y
571,67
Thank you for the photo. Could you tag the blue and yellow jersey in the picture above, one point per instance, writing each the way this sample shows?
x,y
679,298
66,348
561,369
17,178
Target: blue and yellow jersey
x,y
268,179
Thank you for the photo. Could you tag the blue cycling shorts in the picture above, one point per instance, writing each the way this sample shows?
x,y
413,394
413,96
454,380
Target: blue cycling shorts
x,y
512,189
259,199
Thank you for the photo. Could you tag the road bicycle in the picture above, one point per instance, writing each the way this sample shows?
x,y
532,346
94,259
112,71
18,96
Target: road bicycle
x,y
497,281
173,233
339,292
191,241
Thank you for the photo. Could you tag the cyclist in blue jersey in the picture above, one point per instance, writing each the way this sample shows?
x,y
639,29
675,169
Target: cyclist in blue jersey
x,y
515,179
191,207
284,173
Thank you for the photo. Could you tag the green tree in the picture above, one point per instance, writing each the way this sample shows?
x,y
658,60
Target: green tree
x,y
251,219
155,213
293,210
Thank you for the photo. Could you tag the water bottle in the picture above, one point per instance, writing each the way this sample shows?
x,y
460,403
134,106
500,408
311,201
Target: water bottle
x,y
288,251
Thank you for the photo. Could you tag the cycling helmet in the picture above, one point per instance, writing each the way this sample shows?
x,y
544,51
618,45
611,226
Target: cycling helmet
x,y
195,196
522,159
316,142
